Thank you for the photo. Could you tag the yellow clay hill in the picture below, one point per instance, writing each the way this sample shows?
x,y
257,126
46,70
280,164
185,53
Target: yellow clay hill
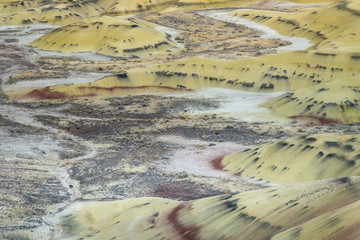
x,y
298,159
285,212
333,28
111,36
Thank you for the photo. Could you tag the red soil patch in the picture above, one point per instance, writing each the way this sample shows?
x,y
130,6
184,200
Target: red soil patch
x,y
46,93
216,163
185,232
316,120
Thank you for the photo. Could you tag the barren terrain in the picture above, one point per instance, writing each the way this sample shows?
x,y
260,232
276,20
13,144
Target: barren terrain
x,y
70,136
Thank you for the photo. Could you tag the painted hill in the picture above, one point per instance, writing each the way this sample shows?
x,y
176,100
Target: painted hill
x,y
336,101
334,55
49,12
319,195
278,74
63,12
124,7
329,223
320,208
111,36
298,159
333,28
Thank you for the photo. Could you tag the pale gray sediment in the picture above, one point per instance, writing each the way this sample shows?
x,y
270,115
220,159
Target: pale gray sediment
x,y
297,44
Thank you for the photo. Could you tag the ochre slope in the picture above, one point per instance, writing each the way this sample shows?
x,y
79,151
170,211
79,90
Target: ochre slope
x,y
125,7
276,72
182,5
49,12
63,12
343,223
329,59
336,101
112,220
298,159
251,215
332,27
111,36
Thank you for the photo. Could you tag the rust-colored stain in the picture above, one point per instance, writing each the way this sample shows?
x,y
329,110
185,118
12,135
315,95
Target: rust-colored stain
x,y
45,93
216,163
185,232
317,120
238,174
309,66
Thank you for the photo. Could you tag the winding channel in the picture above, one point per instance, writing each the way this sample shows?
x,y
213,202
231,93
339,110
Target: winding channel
x,y
297,44
27,117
